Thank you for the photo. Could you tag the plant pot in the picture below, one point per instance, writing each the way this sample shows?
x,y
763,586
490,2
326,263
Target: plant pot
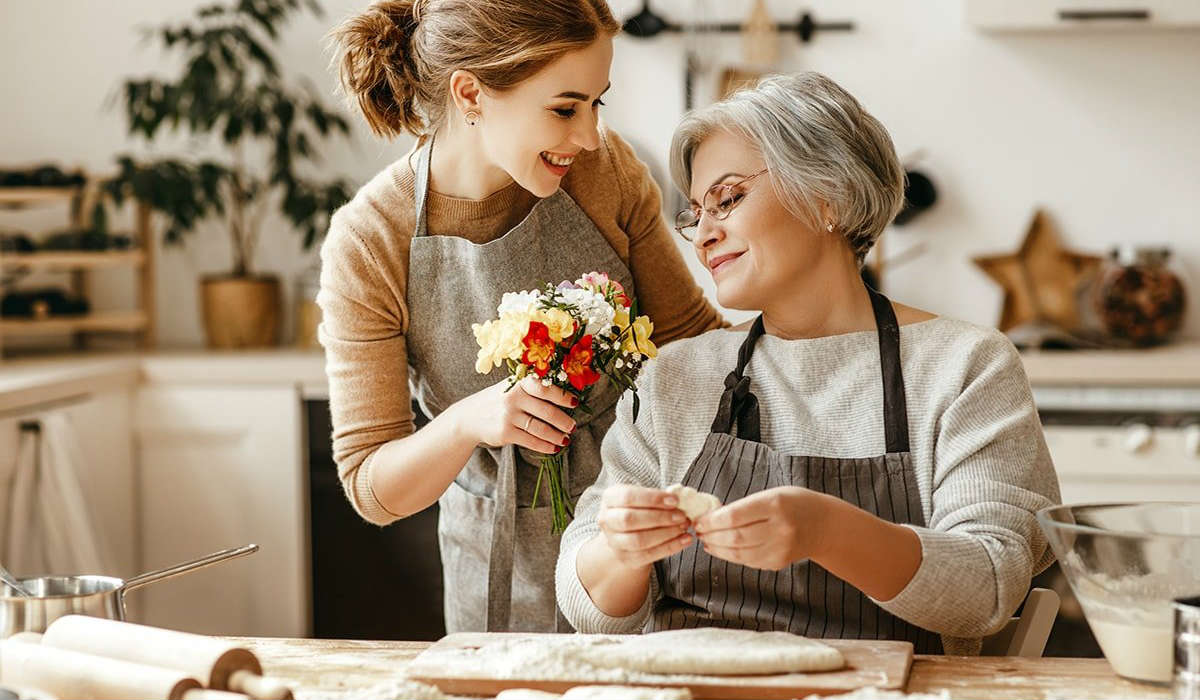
x,y
240,312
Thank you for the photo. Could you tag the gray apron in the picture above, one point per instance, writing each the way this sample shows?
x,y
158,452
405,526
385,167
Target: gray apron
x,y
701,591
498,554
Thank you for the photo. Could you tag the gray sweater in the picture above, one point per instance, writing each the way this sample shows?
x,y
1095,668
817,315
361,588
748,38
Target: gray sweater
x,y
977,448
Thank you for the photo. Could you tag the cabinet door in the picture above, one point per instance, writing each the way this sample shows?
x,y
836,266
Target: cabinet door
x,y
222,467
100,429
1097,464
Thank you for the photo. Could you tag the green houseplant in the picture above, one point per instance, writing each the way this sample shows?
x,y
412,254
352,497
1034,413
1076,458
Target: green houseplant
x,y
230,91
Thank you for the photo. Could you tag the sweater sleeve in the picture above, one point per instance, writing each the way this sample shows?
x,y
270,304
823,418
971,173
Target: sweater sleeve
x,y
992,473
362,331
629,456
666,290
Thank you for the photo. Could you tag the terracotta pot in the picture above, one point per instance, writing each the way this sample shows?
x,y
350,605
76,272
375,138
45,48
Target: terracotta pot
x,y
241,312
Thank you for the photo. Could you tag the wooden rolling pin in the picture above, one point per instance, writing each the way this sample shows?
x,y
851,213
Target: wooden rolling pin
x,y
223,666
72,674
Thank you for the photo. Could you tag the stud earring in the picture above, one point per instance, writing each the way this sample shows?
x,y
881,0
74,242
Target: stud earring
x,y
472,117
829,228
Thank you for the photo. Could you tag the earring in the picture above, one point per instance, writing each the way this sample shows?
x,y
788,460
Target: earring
x,y
472,117
829,228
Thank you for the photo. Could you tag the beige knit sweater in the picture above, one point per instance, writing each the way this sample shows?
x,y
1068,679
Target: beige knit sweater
x,y
364,270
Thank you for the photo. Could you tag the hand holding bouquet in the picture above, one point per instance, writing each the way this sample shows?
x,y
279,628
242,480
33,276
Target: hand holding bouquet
x,y
569,336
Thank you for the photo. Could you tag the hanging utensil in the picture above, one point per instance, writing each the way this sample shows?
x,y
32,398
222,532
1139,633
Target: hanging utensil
x,y
760,40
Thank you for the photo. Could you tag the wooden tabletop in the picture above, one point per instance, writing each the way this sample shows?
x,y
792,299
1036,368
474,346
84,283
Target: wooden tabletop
x,y
339,667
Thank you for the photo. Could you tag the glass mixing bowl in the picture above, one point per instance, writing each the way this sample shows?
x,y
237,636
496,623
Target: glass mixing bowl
x,y
1126,562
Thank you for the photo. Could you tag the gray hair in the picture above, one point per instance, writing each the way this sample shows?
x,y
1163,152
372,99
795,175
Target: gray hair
x,y
820,146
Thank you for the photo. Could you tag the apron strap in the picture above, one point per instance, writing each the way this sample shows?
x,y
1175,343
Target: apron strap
x,y
895,406
500,561
738,405
421,184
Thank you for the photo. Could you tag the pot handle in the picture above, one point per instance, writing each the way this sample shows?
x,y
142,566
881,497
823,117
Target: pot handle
x,y
214,558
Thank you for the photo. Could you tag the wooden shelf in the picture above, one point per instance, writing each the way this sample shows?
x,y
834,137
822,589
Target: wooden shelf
x,y
17,197
72,259
122,321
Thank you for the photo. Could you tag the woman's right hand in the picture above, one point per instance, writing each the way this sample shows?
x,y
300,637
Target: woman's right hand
x,y
527,415
642,525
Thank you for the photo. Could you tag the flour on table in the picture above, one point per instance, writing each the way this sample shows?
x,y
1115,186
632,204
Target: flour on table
x,y
716,652
877,694
693,503
625,692
388,690
526,694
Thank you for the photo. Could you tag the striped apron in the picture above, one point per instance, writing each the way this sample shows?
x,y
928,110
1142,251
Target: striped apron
x,y
702,591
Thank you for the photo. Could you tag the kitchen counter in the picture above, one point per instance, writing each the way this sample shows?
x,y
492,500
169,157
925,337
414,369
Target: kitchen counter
x,y
336,668
38,380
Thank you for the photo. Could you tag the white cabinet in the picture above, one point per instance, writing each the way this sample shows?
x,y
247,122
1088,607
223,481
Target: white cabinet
x,y
100,426
1107,464
222,466
1075,15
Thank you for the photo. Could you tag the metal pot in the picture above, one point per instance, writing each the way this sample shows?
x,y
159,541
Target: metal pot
x,y
99,596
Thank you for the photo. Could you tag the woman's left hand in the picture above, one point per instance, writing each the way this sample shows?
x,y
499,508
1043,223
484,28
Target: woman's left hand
x,y
770,529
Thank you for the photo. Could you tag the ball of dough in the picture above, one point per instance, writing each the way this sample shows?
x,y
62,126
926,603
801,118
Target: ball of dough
x,y
693,503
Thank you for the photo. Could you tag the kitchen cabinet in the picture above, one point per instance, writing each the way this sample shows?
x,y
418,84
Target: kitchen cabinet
x,y
1139,443
222,466
1080,15
100,426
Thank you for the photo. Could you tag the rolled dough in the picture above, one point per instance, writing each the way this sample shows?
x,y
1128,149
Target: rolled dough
x,y
713,651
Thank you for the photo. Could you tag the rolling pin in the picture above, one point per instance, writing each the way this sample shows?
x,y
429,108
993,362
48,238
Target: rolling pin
x,y
223,666
72,674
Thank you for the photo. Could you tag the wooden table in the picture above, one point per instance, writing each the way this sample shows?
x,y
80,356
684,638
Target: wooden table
x,y
339,667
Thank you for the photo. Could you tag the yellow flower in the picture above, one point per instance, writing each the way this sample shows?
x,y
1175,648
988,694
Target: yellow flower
x,y
499,340
638,339
559,323
621,318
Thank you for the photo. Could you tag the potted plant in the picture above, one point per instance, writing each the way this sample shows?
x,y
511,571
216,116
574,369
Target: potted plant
x,y
231,91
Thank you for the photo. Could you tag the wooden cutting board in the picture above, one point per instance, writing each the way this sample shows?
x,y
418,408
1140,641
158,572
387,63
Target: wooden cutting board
x,y
881,664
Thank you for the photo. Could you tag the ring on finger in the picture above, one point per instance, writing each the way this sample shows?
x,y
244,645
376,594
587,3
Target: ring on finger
x,y
528,421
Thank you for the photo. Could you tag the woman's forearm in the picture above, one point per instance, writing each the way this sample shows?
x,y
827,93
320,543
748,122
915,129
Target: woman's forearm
x,y
615,589
875,556
409,474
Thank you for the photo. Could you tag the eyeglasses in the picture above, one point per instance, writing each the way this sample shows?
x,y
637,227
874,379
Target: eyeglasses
x,y
718,202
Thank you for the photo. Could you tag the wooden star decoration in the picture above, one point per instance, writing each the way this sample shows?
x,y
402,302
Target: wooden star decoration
x,y
1042,280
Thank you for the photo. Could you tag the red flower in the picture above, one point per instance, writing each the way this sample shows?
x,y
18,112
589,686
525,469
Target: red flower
x,y
623,300
539,349
578,364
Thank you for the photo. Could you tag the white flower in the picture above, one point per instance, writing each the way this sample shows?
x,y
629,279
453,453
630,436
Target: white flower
x,y
547,382
620,364
562,376
517,302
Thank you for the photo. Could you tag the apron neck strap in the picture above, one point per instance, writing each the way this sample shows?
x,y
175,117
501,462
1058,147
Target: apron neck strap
x,y
739,406
895,406
421,183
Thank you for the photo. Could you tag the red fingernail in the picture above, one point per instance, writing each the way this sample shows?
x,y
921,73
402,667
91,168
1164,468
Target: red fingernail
x,y
574,402
566,441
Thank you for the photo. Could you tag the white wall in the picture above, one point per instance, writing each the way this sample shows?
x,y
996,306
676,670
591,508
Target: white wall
x,y
1099,128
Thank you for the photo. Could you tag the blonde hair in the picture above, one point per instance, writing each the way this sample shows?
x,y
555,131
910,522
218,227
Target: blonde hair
x,y
820,146
395,58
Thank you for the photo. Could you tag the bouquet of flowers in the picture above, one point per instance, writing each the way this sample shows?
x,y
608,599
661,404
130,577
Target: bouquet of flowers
x,y
569,336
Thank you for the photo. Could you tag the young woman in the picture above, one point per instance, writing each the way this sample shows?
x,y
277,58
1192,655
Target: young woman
x,y
880,466
513,182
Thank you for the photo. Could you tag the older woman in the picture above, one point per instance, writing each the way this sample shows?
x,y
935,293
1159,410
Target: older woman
x,y
880,465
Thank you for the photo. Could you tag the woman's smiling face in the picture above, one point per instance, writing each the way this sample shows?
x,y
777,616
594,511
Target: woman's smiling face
x,y
760,250
535,130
